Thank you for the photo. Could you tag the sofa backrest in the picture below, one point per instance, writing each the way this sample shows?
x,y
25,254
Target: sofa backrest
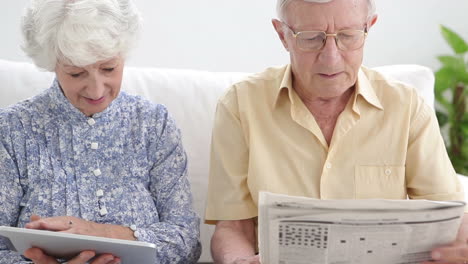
x,y
191,98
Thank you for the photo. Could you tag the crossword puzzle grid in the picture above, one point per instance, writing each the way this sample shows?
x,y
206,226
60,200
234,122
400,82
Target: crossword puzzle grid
x,y
303,235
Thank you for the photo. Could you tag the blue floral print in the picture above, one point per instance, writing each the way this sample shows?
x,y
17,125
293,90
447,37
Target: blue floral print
x,y
125,166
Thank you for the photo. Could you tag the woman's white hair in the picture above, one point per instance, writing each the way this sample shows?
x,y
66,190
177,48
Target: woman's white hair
x,y
78,32
281,6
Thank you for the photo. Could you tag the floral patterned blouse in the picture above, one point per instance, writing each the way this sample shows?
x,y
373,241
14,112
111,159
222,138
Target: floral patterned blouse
x,y
123,166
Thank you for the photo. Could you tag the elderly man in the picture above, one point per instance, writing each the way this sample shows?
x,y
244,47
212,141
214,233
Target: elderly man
x,y
322,127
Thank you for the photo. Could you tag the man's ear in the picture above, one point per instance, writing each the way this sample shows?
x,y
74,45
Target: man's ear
x,y
372,21
278,25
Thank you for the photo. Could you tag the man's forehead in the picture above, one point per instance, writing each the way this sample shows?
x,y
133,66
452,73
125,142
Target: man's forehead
x,y
342,13
282,2
320,3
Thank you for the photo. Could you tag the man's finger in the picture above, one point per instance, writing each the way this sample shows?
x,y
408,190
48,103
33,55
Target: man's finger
x,y
255,260
456,253
248,260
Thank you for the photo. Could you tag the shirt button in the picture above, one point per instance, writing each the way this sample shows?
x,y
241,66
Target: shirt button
x,y
388,171
103,211
91,121
328,165
94,145
99,193
97,172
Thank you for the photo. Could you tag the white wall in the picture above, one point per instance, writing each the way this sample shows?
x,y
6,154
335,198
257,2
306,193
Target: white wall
x,y
220,35
408,31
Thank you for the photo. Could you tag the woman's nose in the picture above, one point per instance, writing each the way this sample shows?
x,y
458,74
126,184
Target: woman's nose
x,y
96,87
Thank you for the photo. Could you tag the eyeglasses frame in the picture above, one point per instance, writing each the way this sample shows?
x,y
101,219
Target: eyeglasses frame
x,y
334,35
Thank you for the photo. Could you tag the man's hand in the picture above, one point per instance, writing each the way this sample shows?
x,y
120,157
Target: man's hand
x,y
233,242
38,257
455,253
248,260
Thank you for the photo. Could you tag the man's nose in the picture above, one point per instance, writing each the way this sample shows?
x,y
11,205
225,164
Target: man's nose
x,y
330,50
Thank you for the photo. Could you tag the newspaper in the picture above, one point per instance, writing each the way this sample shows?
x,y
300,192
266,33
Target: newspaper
x,y
299,230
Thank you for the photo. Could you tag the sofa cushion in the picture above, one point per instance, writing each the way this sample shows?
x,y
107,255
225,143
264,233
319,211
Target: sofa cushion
x,y
420,77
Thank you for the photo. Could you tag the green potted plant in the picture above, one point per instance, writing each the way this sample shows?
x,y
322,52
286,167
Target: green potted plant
x,y
451,93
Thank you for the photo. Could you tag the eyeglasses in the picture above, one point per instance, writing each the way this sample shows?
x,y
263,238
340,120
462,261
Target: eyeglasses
x,y
346,40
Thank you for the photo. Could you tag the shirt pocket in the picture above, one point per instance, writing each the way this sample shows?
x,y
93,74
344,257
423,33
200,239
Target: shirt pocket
x,y
380,182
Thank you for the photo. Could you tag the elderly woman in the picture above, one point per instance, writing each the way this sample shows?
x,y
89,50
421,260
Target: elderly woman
x,y
83,157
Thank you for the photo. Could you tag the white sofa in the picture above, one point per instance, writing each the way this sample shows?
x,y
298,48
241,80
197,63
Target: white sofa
x,y
191,98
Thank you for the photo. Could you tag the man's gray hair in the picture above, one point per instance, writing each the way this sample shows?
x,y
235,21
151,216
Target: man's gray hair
x,y
78,32
281,5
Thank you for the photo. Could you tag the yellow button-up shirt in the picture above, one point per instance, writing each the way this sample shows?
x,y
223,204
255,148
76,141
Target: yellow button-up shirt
x,y
386,144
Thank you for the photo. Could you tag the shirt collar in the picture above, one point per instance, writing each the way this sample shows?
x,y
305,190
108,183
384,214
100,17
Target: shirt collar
x,y
286,84
366,91
363,89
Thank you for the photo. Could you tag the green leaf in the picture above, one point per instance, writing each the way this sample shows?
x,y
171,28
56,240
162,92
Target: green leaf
x,y
452,101
444,80
456,42
465,151
464,78
454,63
465,129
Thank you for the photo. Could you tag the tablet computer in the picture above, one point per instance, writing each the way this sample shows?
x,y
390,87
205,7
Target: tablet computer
x,y
66,246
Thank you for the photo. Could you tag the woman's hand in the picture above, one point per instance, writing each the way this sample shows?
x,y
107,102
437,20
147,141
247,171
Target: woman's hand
x,y
38,257
67,224
75,225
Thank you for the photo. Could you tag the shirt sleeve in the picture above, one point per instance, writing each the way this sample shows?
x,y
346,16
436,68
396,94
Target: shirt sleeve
x,y
11,191
430,174
177,234
229,197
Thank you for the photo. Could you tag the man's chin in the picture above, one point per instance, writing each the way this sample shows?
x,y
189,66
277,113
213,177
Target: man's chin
x,y
330,90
